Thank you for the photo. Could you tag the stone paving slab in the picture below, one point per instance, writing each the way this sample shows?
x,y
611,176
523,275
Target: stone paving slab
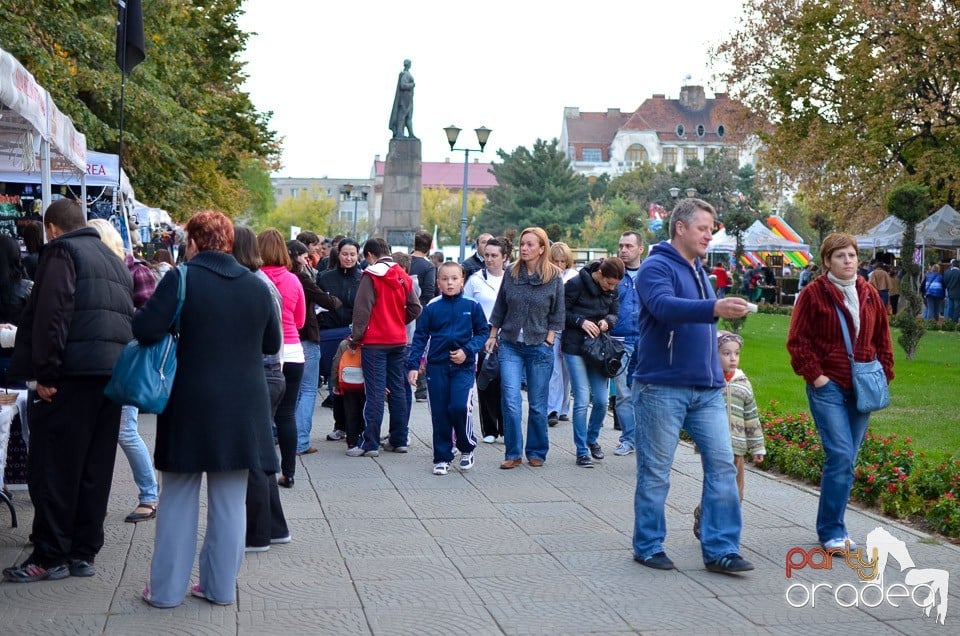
x,y
382,546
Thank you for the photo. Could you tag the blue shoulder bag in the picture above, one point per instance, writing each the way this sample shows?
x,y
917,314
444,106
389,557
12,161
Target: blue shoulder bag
x,y
870,386
143,374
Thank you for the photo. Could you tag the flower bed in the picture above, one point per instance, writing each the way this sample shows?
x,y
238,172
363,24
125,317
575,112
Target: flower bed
x,y
889,475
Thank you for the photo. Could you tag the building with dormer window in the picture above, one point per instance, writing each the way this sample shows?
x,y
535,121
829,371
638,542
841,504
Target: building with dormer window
x,y
661,131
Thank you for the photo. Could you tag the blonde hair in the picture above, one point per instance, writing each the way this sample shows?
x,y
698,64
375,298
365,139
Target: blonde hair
x,y
109,235
545,268
562,251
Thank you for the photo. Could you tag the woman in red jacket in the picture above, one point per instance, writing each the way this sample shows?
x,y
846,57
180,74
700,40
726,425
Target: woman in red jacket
x,y
817,352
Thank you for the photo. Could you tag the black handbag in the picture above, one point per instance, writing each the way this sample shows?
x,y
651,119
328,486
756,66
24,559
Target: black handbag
x,y
604,354
489,371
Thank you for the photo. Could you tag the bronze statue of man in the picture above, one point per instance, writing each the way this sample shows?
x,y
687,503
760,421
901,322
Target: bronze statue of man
x,y
401,117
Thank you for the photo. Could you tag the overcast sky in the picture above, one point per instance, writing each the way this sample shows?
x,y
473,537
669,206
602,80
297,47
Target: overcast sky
x,y
328,70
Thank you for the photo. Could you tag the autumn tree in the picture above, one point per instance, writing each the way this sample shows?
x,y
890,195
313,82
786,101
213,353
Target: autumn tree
x,y
860,94
535,188
311,209
443,208
187,125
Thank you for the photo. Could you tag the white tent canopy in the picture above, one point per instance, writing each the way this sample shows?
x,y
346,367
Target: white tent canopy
x,y
757,238
101,170
888,233
940,229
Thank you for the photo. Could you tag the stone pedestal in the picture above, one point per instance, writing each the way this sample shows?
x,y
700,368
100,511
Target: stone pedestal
x,y
402,183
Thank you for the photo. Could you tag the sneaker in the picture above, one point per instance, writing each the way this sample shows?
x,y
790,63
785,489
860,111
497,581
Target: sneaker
x,y
595,450
81,567
840,544
31,572
466,461
564,418
730,564
658,561
697,513
394,449
584,461
336,435
624,448
327,402
421,398
357,451
552,419
489,439
441,468
256,548
285,539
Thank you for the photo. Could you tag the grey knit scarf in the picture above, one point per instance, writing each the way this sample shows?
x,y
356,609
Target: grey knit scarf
x,y
850,299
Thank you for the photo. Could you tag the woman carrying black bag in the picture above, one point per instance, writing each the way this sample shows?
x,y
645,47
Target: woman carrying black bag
x,y
592,304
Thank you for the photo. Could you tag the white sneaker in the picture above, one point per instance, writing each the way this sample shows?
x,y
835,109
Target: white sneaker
x,y
441,468
256,548
841,543
624,448
489,439
466,461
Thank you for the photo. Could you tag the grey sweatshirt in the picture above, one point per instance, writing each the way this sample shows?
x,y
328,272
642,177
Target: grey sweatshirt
x,y
529,304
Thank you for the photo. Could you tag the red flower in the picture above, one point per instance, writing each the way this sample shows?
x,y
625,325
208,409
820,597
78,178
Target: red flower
x,y
870,479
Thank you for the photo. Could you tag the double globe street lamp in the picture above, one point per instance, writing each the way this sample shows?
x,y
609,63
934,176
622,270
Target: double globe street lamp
x,y
483,133
348,189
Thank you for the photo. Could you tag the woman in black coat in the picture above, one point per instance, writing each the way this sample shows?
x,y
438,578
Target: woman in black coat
x,y
216,421
592,301
342,282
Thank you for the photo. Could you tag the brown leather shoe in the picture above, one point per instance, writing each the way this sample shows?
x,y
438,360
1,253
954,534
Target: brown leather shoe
x,y
536,462
309,451
507,464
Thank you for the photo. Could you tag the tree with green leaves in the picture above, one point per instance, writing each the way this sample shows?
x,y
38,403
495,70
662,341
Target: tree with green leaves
x,y
188,128
911,204
534,188
310,210
860,94
443,208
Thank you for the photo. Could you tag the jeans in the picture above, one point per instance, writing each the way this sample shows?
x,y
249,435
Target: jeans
x,y
558,400
307,398
137,454
842,428
661,412
586,380
383,368
931,310
537,360
953,309
624,404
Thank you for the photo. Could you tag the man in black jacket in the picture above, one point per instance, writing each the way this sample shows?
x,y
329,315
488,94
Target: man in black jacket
x,y
72,331
474,264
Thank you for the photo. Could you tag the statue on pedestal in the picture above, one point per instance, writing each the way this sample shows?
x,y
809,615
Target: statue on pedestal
x,y
401,117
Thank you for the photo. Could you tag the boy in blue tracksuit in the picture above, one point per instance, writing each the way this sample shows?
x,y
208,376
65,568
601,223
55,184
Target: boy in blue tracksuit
x,y
456,329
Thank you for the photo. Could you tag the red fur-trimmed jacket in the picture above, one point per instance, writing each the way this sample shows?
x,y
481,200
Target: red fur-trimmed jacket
x,y
815,341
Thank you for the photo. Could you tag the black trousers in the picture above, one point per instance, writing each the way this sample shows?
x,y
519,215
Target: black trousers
x,y
286,418
73,446
491,413
265,518
351,403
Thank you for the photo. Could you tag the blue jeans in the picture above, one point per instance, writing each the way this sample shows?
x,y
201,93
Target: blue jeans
x,y
586,380
624,404
382,370
537,361
953,309
137,454
558,400
307,398
661,412
842,428
932,309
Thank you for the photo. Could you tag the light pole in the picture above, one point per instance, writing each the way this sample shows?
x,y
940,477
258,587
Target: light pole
x,y
483,133
348,188
675,192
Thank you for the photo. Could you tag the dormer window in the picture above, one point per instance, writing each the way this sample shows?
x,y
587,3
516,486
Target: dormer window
x,y
721,130
700,130
681,131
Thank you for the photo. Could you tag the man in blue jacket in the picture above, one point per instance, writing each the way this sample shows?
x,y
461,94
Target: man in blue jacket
x,y
678,385
627,329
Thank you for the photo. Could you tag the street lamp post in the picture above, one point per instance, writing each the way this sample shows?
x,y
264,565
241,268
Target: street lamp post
x,y
348,189
483,133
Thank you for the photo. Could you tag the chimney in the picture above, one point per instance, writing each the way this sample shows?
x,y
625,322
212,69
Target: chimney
x,y
693,97
659,96
571,112
613,112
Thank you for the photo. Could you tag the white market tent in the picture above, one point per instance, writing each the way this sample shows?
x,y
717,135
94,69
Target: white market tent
x,y
940,229
757,238
886,234
100,170
35,136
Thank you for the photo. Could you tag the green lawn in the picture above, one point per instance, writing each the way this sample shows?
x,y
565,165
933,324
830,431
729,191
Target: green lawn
x,y
925,396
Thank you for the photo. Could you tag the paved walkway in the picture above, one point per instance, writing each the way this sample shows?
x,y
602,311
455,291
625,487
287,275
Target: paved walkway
x,y
382,546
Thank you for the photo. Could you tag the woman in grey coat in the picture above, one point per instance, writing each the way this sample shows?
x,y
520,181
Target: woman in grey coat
x,y
216,419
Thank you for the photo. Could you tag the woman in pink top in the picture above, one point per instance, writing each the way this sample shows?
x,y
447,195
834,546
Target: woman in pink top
x,y
276,265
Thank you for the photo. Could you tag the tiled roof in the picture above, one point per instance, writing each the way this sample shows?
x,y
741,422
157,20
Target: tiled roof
x,y
601,128
450,174
663,115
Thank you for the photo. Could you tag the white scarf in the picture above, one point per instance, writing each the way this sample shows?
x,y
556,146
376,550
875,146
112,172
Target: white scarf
x,y
850,299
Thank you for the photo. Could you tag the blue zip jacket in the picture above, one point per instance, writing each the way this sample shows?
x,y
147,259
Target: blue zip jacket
x,y
628,326
678,333
449,323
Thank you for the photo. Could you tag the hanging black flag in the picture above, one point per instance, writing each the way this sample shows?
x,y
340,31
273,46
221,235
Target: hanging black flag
x,y
131,47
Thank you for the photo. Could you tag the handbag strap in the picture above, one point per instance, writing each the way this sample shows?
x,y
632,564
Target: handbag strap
x,y
846,332
181,296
